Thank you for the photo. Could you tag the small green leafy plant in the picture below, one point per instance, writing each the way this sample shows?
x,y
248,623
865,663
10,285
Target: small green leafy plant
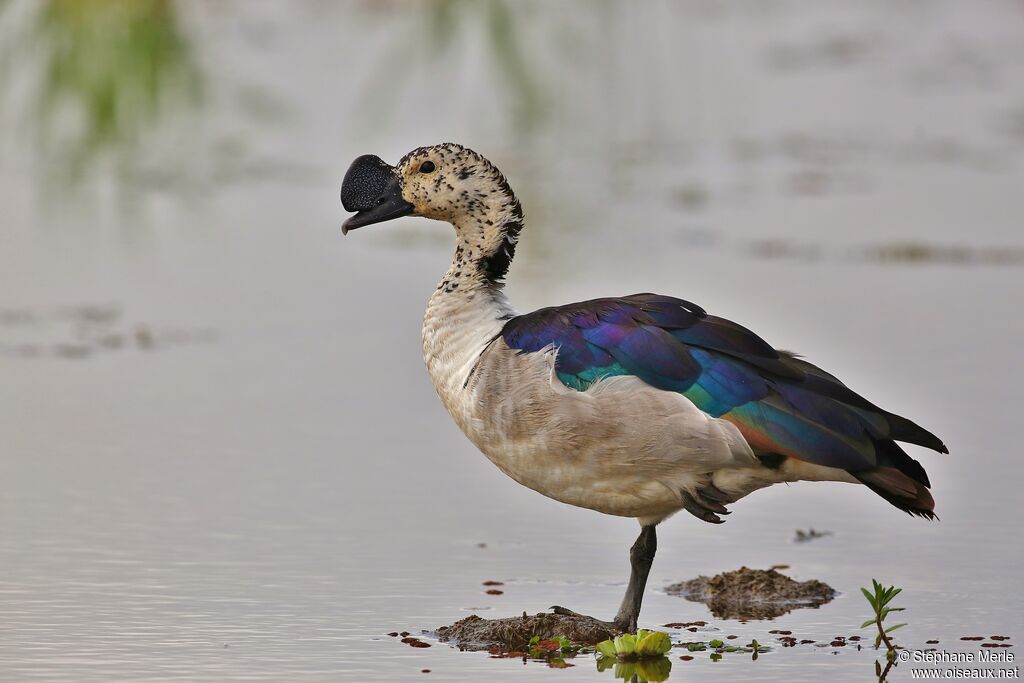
x,y
639,645
719,647
879,600
542,648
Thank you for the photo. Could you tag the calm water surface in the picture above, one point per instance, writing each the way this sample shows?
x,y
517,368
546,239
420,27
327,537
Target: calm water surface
x,y
223,459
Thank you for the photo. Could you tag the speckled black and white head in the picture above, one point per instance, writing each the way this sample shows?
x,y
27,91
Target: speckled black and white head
x,y
446,182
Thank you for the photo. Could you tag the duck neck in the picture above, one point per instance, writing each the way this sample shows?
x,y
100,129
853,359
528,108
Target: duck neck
x,y
469,306
487,232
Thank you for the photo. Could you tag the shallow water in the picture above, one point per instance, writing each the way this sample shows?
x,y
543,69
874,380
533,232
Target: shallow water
x,y
222,458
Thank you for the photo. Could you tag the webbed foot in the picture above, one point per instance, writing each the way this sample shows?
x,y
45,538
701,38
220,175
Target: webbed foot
x,y
613,625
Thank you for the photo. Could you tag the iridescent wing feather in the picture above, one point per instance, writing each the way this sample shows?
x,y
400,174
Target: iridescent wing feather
x,y
783,405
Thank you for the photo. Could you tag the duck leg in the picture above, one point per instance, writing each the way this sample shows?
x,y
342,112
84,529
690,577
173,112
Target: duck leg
x,y
641,556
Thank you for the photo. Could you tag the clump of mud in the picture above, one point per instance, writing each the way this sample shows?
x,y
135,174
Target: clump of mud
x,y
514,633
752,593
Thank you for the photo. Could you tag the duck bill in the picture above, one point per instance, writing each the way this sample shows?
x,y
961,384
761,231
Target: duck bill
x,y
374,190
391,206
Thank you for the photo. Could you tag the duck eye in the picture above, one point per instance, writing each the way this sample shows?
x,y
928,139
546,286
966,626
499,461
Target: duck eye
x,y
427,167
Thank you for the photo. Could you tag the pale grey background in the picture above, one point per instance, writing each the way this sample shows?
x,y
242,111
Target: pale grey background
x,y
231,464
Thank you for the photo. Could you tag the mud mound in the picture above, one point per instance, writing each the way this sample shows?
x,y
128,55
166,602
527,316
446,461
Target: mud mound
x,y
752,593
514,633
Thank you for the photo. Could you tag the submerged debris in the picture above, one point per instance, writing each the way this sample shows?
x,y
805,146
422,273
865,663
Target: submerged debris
x,y
809,535
411,641
688,625
515,633
752,593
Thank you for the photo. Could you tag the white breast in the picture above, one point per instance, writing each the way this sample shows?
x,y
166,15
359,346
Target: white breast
x,y
456,328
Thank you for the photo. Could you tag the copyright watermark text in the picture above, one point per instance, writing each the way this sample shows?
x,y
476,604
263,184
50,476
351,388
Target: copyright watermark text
x,y
944,664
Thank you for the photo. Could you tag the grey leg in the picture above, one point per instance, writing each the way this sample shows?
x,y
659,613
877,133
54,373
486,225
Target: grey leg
x,y
641,557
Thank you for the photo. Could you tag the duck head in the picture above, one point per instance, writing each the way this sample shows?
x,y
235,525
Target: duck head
x,y
446,182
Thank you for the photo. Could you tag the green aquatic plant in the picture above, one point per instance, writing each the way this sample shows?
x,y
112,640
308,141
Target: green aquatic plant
x,y
879,600
543,647
640,645
719,647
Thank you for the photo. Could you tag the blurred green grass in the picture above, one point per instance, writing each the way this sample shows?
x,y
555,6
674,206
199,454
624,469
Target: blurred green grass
x,y
108,71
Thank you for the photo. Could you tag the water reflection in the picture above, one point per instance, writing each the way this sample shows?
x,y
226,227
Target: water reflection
x,y
107,77
502,29
639,671
544,81
109,72
889,253
88,330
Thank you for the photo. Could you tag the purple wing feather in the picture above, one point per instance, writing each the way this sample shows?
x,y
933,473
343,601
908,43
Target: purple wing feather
x,y
781,403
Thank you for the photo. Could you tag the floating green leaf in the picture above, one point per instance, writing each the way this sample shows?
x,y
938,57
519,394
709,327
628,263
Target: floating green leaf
x,y
606,648
625,644
634,646
652,643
